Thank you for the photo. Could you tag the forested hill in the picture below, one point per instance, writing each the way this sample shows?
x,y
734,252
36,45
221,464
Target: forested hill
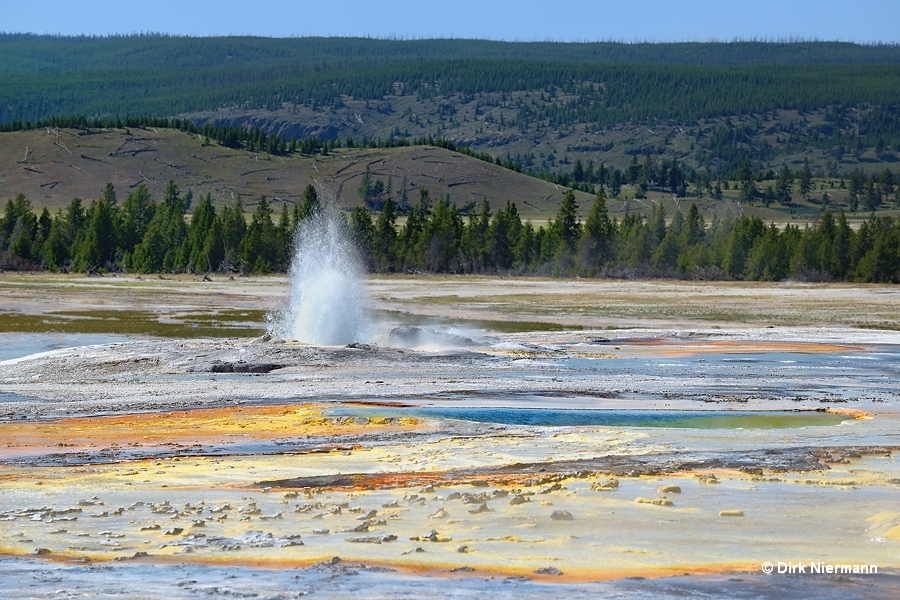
x,y
543,105
812,128
28,52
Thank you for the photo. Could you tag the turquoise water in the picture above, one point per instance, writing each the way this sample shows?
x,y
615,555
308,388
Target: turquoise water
x,y
615,418
17,345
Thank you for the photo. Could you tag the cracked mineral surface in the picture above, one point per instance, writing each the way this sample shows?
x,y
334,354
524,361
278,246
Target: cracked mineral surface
x,y
624,445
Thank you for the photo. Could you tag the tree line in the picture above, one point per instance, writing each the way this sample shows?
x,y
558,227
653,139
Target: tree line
x,y
437,238
576,92
24,51
145,235
600,84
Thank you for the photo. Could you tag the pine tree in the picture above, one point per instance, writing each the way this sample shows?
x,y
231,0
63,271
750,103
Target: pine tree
x,y
527,247
415,233
285,239
888,184
18,228
596,243
442,252
136,213
365,186
362,232
97,246
55,251
783,185
259,246
578,171
202,219
805,177
310,205
475,238
234,226
385,243
161,247
502,237
566,227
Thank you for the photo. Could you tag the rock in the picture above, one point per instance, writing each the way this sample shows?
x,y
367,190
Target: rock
x,y
609,486
375,539
440,514
405,335
661,501
561,515
707,478
481,508
261,368
553,488
668,489
431,536
361,346
410,337
290,540
520,499
463,549
549,571
242,367
40,551
731,513
174,531
475,498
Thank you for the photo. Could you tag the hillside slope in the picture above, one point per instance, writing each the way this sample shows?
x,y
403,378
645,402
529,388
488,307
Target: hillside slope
x,y
708,106
50,167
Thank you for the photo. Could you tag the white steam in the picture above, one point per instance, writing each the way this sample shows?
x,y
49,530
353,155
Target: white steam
x,y
327,298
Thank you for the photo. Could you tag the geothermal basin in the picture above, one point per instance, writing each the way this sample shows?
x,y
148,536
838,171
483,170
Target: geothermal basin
x,y
616,442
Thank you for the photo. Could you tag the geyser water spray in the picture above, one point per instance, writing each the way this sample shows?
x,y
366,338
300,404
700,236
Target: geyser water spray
x,y
327,297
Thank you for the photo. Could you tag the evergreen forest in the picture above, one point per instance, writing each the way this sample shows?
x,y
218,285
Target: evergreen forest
x,y
539,104
142,235
634,121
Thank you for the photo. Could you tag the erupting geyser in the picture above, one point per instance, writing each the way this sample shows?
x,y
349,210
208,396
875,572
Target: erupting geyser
x,y
326,304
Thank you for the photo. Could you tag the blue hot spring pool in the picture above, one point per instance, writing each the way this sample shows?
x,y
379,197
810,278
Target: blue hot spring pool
x,y
612,418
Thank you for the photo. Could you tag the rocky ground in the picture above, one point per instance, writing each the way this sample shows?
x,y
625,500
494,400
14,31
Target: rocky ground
x,y
331,470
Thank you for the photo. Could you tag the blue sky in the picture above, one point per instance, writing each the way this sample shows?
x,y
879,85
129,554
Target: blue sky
x,y
566,20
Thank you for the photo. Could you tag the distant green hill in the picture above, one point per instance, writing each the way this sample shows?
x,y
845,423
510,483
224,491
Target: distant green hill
x,y
545,105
